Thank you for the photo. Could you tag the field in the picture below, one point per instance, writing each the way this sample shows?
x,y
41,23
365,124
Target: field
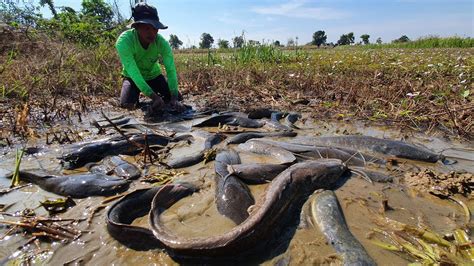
x,y
45,80
52,90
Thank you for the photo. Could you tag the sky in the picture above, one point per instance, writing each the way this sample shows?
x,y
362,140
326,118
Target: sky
x,y
268,21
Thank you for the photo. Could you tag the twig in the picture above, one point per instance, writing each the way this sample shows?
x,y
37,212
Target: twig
x,y
114,125
8,190
34,226
136,144
9,232
147,151
464,207
112,198
94,211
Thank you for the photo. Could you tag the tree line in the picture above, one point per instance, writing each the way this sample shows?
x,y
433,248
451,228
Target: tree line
x,y
319,38
99,21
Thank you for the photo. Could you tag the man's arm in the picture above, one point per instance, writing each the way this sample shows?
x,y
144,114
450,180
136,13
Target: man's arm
x,y
168,62
126,58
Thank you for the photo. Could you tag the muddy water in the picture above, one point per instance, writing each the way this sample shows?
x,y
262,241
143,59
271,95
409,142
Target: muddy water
x,y
197,216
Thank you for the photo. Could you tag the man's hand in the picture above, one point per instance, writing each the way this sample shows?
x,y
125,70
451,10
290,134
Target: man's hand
x,y
176,105
157,103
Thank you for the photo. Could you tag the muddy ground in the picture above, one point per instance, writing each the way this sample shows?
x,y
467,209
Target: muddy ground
x,y
410,202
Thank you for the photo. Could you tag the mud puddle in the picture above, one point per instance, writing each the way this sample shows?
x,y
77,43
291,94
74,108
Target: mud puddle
x,y
197,216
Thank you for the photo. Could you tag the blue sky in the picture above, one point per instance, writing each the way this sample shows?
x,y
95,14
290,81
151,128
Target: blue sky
x,y
265,20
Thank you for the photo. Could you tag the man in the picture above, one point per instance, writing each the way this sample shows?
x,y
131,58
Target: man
x,y
139,49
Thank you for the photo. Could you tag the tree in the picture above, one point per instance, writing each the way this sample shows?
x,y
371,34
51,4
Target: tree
x,y
253,43
206,41
346,39
319,38
50,5
238,41
277,43
365,38
402,39
175,42
379,40
99,11
16,13
290,42
223,44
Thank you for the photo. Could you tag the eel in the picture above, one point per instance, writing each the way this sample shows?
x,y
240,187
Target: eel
x,y
384,146
230,119
117,166
349,156
233,197
256,173
260,113
290,120
275,124
77,185
272,213
196,158
327,214
243,137
81,154
258,147
137,204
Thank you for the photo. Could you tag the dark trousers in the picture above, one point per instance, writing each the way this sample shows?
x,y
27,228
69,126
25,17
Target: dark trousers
x,y
130,92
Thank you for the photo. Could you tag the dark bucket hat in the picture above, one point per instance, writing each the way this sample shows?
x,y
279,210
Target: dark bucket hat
x,y
144,13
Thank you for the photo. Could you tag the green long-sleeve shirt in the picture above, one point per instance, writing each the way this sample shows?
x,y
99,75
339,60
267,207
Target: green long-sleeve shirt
x,y
141,64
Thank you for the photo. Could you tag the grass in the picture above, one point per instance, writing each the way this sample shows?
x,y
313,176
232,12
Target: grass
x,y
16,174
424,246
430,42
414,86
417,88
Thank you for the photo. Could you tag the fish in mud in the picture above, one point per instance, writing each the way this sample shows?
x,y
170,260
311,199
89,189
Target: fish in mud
x,y
81,154
351,157
327,214
185,161
272,214
384,146
231,120
116,166
137,204
77,185
243,137
233,197
258,147
256,173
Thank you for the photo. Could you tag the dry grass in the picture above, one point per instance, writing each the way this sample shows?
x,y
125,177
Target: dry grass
x,y
420,89
423,89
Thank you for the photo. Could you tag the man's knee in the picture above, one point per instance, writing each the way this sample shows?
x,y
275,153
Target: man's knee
x,y
129,95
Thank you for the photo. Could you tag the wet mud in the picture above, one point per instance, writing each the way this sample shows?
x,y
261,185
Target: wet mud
x,y
196,215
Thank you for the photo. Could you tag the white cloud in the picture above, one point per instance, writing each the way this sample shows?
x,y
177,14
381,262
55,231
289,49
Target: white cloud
x,y
233,21
299,9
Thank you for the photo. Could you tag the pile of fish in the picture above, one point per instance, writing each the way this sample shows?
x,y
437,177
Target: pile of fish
x,y
302,166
